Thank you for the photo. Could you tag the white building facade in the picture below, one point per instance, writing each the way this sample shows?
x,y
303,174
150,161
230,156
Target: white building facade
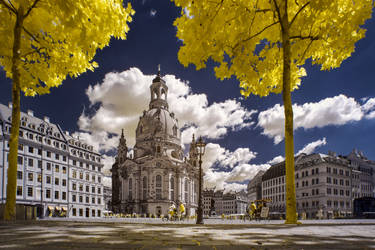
x,y
52,167
324,183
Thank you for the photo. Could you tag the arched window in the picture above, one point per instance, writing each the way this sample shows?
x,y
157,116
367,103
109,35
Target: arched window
x,y
174,130
155,94
163,94
186,190
145,188
141,129
158,187
130,189
171,189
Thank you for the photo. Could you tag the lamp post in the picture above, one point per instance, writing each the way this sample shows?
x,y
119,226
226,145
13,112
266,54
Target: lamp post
x,y
200,145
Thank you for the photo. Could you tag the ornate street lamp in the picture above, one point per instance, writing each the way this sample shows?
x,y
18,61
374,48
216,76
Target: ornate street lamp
x,y
201,146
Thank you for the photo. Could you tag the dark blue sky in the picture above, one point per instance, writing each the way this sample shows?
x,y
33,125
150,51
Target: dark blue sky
x,y
152,41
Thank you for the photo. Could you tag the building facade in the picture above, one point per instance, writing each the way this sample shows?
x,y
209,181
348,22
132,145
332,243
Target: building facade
x,y
158,173
56,173
323,183
224,203
363,171
107,198
254,188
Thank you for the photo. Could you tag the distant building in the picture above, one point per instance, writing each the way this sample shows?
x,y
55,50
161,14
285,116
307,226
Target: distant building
x,y
228,203
323,183
363,174
107,196
208,202
56,173
254,188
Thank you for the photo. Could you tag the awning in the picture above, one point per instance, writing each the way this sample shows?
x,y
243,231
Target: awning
x,y
50,207
63,209
57,208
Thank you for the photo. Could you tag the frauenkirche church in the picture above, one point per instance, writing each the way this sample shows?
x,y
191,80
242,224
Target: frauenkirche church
x,y
158,173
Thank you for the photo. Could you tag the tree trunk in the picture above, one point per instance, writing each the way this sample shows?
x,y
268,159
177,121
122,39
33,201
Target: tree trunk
x,y
291,217
10,206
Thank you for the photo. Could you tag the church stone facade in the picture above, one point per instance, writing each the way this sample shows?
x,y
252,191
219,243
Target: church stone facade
x,y
157,173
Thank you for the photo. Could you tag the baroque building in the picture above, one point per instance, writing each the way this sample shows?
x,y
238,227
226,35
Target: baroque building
x,y
158,173
57,175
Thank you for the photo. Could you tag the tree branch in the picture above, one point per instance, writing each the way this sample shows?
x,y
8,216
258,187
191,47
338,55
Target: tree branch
x,y
312,38
36,50
11,8
295,16
278,14
264,10
29,33
31,7
304,52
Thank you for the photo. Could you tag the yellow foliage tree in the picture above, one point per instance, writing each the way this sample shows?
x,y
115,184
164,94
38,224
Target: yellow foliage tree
x,y
42,42
265,43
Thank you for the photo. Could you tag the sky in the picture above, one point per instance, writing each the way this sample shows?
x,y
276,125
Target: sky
x,y
333,110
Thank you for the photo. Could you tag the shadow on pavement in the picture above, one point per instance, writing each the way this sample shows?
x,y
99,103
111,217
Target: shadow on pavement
x,y
96,235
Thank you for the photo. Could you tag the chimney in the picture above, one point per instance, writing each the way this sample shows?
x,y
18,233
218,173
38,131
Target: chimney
x,y
10,105
30,112
67,133
46,119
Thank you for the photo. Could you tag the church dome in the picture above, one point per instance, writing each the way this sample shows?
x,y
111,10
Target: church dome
x,y
158,123
158,132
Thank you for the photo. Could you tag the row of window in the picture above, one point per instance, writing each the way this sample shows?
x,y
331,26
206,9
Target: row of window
x,y
279,189
336,203
79,163
274,182
305,204
336,192
74,187
30,177
30,164
87,214
93,177
337,181
30,193
87,199
338,171
33,150
305,173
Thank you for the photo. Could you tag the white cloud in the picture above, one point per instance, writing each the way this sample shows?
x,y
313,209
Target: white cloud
x,y
100,140
153,12
276,160
217,158
369,108
310,148
244,172
237,187
123,96
107,181
107,162
307,149
338,110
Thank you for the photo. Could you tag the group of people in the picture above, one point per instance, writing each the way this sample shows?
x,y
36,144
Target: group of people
x,y
253,211
176,212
